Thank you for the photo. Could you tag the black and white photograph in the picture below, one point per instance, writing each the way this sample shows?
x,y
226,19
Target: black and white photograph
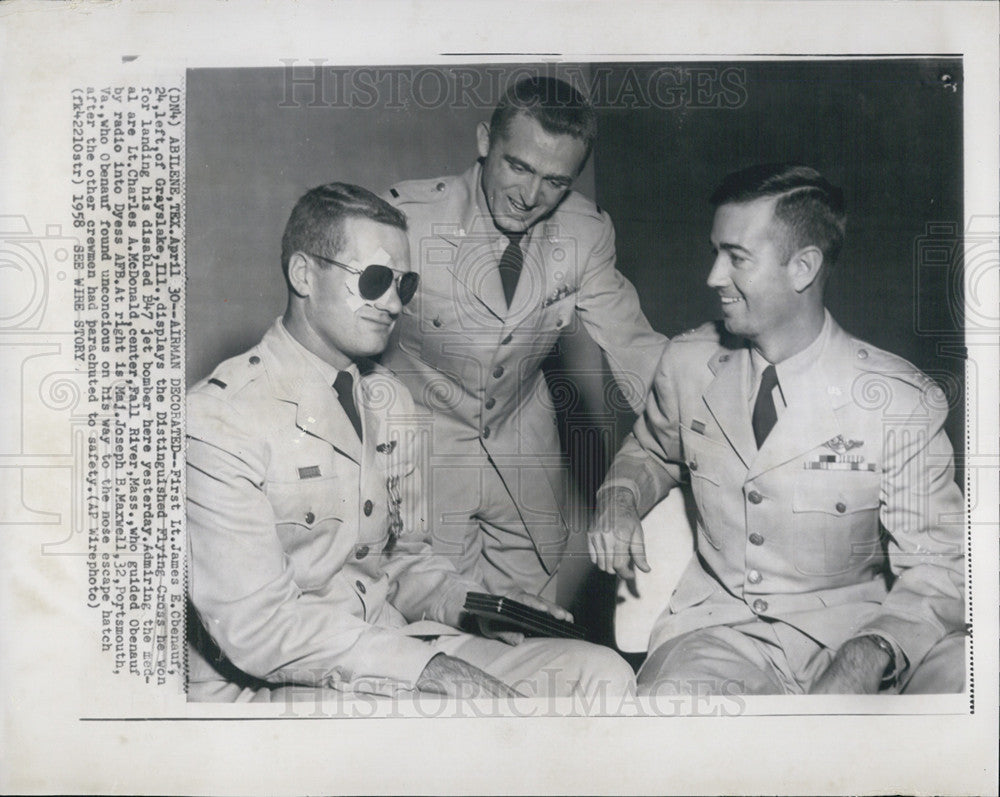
x,y
849,521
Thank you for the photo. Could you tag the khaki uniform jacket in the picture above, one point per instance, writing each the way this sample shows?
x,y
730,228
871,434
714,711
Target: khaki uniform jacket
x,y
289,524
856,470
477,364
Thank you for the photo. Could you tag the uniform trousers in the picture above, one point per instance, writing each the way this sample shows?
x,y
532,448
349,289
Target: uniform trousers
x,y
535,668
773,658
477,525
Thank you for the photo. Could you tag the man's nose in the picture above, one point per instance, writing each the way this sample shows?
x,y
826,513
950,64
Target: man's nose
x,y
718,277
389,301
531,191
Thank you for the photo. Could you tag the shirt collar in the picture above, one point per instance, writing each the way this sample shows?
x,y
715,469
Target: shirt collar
x,y
796,368
325,371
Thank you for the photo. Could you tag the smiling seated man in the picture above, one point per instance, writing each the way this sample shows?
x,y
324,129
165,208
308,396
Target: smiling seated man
x,y
309,565
829,542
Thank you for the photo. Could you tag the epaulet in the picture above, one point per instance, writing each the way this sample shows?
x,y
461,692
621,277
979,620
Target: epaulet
x,y
232,375
579,204
420,191
875,360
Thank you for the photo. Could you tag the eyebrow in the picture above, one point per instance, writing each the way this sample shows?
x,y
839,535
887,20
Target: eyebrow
x,y
518,162
732,248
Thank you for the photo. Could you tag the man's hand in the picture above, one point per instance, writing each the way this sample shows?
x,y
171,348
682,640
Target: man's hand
x,y
856,669
500,629
615,539
541,604
447,675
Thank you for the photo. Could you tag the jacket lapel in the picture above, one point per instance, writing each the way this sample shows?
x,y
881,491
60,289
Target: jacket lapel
x,y
727,401
476,269
295,380
476,240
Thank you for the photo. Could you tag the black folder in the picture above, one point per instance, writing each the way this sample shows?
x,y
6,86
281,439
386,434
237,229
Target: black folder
x,y
520,617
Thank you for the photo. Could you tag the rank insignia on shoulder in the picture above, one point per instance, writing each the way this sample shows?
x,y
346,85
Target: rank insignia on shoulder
x,y
698,426
839,445
310,472
386,448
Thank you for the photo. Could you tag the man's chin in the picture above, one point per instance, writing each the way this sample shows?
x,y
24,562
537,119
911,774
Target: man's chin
x,y
511,224
733,326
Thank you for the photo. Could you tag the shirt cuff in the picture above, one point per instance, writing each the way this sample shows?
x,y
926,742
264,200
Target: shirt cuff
x,y
898,665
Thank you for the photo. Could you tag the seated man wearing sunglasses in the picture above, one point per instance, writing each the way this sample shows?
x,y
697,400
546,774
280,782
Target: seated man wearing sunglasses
x,y
308,564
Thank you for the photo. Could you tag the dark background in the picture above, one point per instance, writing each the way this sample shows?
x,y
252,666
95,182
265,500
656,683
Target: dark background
x,y
888,131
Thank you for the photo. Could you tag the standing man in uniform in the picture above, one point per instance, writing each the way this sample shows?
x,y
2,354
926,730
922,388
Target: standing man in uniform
x,y
829,525
509,258
309,567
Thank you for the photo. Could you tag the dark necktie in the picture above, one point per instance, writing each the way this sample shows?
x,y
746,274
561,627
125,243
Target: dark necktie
x,y
764,413
510,264
344,385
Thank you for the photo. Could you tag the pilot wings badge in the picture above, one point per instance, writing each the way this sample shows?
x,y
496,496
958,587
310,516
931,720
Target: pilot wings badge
x,y
841,446
840,459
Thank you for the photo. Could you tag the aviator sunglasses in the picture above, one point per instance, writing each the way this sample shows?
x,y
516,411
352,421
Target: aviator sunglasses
x,y
375,280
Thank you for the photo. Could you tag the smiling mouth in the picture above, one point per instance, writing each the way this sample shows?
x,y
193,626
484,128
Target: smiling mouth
x,y
517,206
730,300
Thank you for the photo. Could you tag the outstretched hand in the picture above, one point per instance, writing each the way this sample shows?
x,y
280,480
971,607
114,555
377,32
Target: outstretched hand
x,y
615,539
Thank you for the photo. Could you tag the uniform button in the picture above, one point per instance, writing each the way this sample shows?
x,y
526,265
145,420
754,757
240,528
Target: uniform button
x,y
760,606
486,432
693,465
369,506
862,354
439,187
841,507
310,517
506,340
361,553
436,322
756,539
754,577
360,586
490,403
755,497
254,360
498,372
724,358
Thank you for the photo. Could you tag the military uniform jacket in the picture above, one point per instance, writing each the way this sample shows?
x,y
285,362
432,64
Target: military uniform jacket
x,y
477,364
306,547
856,470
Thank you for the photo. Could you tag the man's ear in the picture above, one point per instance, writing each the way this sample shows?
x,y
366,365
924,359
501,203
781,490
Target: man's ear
x,y
483,139
300,274
805,266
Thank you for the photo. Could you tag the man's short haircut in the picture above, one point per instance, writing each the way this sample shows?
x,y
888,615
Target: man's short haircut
x,y
810,207
317,221
558,107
